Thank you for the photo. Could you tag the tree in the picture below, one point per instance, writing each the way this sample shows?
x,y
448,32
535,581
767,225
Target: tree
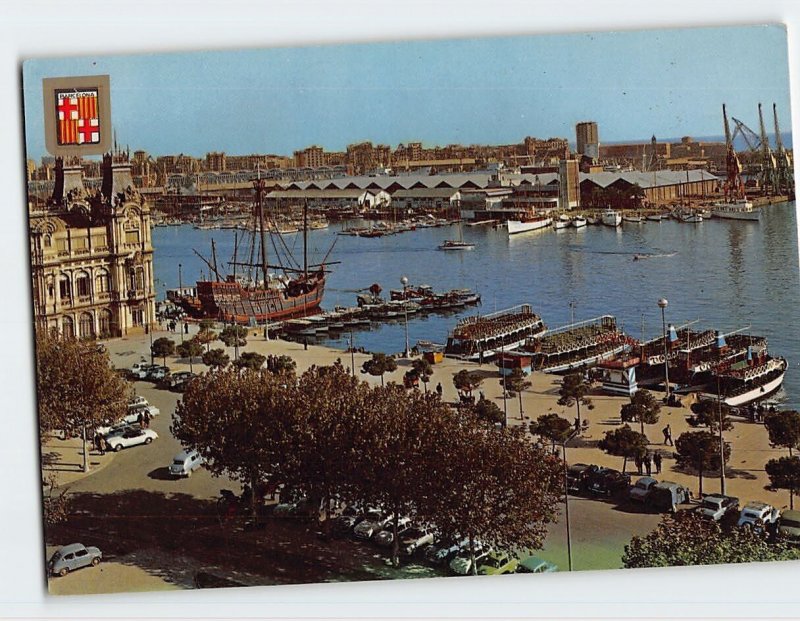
x,y
495,487
517,382
190,349
686,538
699,451
624,442
284,365
707,413
163,347
206,336
250,360
573,391
206,325
784,473
783,427
424,370
551,427
234,335
216,359
643,408
77,389
466,382
489,412
241,422
378,365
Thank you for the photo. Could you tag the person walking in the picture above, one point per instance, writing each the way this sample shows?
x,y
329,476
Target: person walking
x,y
638,461
103,445
146,419
648,464
439,389
657,462
667,431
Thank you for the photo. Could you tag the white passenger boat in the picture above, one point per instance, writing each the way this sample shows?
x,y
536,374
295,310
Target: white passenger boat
x,y
741,209
753,383
528,224
611,218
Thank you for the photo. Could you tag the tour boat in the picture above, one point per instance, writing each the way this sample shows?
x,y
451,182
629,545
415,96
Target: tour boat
x,y
741,209
532,223
739,387
576,346
611,218
578,222
481,337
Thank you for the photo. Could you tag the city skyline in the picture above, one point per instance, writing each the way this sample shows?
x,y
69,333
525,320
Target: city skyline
x,y
633,84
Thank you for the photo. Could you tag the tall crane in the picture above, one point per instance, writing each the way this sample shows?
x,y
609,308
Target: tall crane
x,y
734,186
768,175
783,168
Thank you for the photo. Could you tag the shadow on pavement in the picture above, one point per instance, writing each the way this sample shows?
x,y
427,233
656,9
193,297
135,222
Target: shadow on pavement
x,y
160,474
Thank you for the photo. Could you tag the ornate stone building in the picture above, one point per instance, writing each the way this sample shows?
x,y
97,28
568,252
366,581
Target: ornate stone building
x,y
92,255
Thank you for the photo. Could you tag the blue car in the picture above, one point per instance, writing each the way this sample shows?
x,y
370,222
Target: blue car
x,y
71,557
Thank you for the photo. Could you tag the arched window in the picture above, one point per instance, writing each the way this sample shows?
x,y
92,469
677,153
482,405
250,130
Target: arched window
x,y
105,319
83,284
67,327
64,287
102,282
48,241
86,326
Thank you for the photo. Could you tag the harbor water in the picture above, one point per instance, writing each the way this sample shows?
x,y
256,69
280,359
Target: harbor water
x,y
729,275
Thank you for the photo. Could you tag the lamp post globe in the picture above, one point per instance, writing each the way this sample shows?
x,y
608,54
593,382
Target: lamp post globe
x,y
663,303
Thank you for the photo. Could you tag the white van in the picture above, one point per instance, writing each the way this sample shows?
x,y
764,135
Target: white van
x,y
185,463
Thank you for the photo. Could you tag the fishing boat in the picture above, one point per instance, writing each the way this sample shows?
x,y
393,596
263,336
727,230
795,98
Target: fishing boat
x,y
481,337
530,223
611,218
561,222
654,217
691,217
578,222
456,244
632,218
593,220
258,296
576,346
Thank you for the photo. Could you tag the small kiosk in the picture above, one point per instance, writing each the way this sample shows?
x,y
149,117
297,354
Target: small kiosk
x,y
509,360
619,376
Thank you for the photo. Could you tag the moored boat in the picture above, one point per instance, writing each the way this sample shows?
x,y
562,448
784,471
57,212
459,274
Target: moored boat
x,y
578,222
611,218
741,209
654,217
532,223
632,218
561,222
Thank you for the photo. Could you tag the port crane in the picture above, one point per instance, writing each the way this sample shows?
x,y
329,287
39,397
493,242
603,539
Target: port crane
x,y
734,186
783,162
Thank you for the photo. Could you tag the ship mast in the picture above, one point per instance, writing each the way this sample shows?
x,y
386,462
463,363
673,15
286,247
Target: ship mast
x,y
214,258
258,184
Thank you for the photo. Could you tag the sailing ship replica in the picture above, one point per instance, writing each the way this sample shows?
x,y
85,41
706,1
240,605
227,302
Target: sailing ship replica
x,y
247,298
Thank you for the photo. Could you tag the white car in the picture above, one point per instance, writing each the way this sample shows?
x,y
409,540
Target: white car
x,y
415,538
462,563
756,515
130,437
184,463
136,401
141,369
385,538
715,506
373,522
141,409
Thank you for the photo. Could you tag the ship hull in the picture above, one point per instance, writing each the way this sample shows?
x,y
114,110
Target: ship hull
x,y
757,393
589,361
232,302
519,226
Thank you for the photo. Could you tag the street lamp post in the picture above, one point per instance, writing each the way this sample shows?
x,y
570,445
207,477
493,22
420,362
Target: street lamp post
x,y
721,442
404,282
505,392
352,355
662,304
180,277
566,497
572,305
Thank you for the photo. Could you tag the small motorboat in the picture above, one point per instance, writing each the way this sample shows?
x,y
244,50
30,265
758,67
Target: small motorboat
x,y
561,222
653,217
454,244
578,222
633,219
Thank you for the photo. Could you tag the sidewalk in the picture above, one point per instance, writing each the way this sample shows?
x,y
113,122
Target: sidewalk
x,y
64,459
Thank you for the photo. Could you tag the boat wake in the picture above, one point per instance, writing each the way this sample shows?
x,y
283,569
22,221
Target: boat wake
x,y
653,255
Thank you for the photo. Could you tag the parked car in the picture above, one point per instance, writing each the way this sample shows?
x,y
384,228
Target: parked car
x,y
461,564
789,526
535,565
178,381
136,401
757,515
130,437
667,495
716,506
140,404
608,482
346,520
640,490
71,557
497,563
156,373
139,370
115,429
445,551
385,538
184,463
578,477
373,522
415,538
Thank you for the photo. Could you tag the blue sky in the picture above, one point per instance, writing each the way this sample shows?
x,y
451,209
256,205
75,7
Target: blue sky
x,y
664,82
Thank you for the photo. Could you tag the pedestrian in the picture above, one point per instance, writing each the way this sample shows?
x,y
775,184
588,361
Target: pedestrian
x,y
657,462
146,419
96,441
638,461
667,431
140,419
439,389
482,397
103,445
648,464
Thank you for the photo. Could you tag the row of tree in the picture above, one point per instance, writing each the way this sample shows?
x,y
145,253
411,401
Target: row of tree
x,y
333,438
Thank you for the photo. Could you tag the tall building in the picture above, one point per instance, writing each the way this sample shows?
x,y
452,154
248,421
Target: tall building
x,y
216,162
92,255
588,139
569,189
